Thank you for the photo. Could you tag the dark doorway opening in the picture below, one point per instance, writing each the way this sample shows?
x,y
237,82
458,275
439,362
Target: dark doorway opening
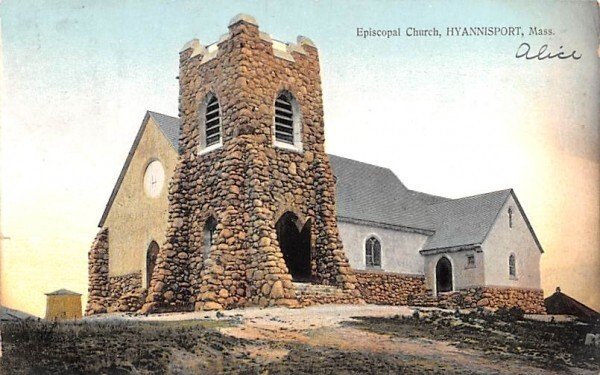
x,y
443,275
295,246
151,256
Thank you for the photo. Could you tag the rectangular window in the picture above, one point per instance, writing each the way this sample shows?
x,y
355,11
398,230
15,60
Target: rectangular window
x,y
470,261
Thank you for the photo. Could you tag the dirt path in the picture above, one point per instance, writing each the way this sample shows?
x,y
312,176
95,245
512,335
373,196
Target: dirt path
x,y
322,326
278,337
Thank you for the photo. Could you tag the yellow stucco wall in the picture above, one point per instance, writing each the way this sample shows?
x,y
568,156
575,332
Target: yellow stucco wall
x,y
61,307
134,219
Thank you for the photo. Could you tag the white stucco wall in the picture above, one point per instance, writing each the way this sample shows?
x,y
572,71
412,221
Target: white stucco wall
x,y
463,276
502,241
399,250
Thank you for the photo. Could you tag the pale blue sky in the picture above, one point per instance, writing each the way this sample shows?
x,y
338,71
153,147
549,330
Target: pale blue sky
x,y
451,116
61,50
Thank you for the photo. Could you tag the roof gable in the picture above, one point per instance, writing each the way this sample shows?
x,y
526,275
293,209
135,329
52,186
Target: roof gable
x,y
522,211
464,221
169,127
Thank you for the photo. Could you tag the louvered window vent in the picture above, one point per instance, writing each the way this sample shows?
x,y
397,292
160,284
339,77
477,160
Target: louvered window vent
x,y
213,122
284,120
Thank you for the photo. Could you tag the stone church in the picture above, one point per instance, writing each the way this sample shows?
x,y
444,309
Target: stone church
x,y
236,203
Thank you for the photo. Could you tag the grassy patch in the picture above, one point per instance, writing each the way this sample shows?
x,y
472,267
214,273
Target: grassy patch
x,y
112,347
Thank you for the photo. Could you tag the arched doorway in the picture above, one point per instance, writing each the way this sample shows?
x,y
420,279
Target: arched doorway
x,y
443,275
151,256
295,246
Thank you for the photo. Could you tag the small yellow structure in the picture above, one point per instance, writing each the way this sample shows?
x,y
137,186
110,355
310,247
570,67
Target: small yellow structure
x,y
63,304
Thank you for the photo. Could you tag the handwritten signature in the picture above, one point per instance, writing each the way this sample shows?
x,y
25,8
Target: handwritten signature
x,y
543,53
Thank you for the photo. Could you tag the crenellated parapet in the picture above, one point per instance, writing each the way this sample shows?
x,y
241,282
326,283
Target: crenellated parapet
x,y
280,49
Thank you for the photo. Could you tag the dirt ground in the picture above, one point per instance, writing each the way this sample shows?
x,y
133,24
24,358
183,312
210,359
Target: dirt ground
x,y
331,339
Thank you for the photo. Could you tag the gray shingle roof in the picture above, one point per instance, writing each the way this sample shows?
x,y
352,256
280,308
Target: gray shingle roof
x,y
63,292
427,198
464,221
7,314
169,126
371,194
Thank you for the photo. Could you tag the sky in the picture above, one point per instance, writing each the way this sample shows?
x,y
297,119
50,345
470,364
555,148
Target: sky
x,y
451,116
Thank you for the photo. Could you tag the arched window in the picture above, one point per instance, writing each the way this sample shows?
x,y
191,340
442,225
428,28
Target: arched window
x,y
210,238
373,253
512,266
212,122
287,120
510,217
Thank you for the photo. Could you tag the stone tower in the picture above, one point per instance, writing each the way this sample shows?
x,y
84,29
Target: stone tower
x,y
250,211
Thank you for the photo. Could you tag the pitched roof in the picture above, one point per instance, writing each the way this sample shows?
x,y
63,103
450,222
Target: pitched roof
x,y
369,193
464,221
13,314
63,292
427,199
561,304
169,126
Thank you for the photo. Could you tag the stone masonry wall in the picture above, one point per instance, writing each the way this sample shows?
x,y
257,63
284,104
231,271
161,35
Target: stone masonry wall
x,y
110,294
386,288
248,183
529,300
98,287
310,294
126,292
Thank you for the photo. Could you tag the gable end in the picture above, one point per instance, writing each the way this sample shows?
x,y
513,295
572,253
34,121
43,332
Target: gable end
x,y
529,227
115,190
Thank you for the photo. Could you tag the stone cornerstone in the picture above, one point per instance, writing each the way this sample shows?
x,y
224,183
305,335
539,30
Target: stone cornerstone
x,y
248,183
